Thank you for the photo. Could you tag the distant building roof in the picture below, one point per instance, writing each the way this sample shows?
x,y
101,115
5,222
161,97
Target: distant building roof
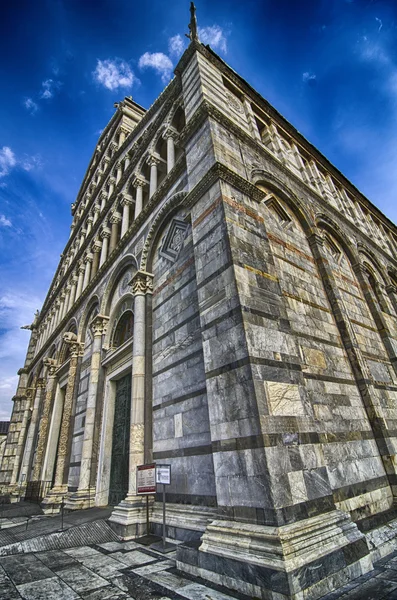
x,y
4,426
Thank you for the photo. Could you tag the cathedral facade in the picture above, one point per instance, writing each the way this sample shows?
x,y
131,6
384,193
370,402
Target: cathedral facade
x,y
227,304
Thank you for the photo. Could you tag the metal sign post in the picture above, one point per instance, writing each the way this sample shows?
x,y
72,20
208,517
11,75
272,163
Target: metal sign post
x,y
163,476
146,485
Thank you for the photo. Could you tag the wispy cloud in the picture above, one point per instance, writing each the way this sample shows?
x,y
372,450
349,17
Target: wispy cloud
x,y
215,36
176,46
114,74
4,222
28,163
158,61
7,160
309,78
49,87
30,105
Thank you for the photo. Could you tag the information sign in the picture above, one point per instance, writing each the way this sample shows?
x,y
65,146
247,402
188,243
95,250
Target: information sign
x,y
163,474
146,479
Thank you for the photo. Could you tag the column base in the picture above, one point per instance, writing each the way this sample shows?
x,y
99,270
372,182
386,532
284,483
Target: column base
x,y
306,559
80,499
53,501
128,518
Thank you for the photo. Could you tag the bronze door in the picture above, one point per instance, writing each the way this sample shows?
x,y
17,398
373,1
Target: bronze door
x,y
118,487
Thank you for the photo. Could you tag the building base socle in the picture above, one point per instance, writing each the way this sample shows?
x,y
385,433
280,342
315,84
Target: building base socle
x,y
54,499
129,518
302,560
80,499
183,522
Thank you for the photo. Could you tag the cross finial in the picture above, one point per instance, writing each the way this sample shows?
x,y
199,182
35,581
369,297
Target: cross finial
x,y
193,35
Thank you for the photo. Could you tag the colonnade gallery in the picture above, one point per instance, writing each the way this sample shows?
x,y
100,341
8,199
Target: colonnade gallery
x,y
227,304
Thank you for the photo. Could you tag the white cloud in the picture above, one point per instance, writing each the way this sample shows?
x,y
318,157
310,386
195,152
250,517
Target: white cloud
x,y
7,160
309,78
158,61
113,74
4,222
31,162
380,23
176,46
214,36
30,105
49,88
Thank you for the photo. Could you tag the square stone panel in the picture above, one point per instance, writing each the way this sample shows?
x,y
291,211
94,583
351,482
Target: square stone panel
x,y
24,568
82,579
46,589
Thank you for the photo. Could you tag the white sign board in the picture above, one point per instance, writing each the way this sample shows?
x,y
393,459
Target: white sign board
x,y
163,474
146,479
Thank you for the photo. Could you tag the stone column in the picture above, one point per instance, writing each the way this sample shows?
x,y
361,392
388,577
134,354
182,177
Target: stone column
x,y
119,172
82,237
96,248
87,273
81,270
130,512
51,366
170,134
122,135
103,196
60,484
105,235
153,162
138,183
114,236
84,495
126,162
73,225
90,220
97,210
112,183
73,288
125,203
22,435
30,438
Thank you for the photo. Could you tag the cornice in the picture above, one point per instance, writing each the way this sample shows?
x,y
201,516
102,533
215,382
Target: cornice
x,y
225,69
141,146
155,201
207,109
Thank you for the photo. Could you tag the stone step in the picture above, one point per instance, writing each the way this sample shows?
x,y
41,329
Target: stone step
x,y
94,532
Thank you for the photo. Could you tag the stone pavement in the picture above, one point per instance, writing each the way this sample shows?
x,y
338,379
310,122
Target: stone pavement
x,y
125,570
128,570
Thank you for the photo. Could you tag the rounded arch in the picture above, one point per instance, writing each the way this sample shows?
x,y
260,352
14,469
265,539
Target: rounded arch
x,y
125,304
325,223
87,316
128,260
269,181
171,205
368,259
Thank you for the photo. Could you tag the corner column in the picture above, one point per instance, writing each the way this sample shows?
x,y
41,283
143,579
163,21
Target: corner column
x,y
60,488
129,516
51,366
84,495
138,183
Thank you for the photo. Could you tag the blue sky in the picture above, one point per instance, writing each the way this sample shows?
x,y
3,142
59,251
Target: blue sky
x,y
329,66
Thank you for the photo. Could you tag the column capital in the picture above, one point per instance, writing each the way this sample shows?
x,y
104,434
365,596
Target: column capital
x,y
138,181
170,132
97,208
81,268
391,289
126,200
115,217
142,283
89,257
124,129
112,180
153,159
99,324
105,233
90,219
103,195
114,146
96,246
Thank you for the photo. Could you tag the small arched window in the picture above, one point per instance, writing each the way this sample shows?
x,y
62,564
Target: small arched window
x,y
124,329
377,291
